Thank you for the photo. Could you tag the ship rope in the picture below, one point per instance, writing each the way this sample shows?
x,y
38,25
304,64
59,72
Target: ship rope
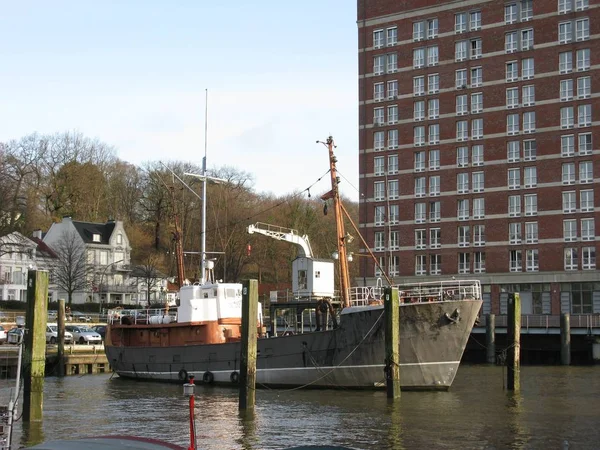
x,y
327,373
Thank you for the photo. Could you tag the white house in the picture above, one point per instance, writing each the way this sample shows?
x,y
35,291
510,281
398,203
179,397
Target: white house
x,y
108,255
18,255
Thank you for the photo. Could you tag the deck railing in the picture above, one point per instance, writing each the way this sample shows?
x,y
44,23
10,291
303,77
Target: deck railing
x,y
546,321
142,316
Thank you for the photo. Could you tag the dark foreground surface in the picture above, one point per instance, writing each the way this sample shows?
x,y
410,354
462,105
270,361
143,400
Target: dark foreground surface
x,y
558,408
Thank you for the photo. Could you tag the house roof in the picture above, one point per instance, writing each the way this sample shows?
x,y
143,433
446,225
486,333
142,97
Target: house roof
x,y
87,230
42,249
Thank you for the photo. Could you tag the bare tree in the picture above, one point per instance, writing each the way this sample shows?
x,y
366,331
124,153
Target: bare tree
x,y
148,274
71,270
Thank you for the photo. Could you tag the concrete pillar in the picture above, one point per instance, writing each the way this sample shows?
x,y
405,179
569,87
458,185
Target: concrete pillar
x,y
565,339
490,339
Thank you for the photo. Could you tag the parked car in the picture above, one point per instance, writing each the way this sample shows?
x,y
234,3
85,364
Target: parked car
x,y
77,316
52,335
15,336
83,334
100,329
2,335
52,315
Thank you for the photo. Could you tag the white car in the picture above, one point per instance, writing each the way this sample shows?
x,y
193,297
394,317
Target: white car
x,y
82,334
52,335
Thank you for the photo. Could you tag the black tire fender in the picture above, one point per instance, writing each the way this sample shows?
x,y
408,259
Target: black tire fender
x,y
182,375
234,377
208,377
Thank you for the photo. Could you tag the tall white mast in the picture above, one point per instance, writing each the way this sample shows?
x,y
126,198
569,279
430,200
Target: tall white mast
x,y
204,185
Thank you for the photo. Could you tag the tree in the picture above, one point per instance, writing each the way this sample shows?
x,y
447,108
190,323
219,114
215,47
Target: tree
x,y
71,270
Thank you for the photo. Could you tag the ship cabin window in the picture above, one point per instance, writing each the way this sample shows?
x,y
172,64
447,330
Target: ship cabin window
x,y
302,279
318,274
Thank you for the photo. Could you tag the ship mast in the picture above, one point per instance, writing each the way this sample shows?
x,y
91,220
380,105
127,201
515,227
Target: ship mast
x,y
343,273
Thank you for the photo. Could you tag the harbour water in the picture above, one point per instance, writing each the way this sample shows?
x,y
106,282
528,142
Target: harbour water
x,y
558,408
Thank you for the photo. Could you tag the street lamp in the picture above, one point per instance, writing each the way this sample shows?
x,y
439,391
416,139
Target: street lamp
x,y
102,278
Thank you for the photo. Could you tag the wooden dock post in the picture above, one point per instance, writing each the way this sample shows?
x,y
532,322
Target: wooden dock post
x,y
513,340
35,345
565,339
60,359
248,351
392,342
490,338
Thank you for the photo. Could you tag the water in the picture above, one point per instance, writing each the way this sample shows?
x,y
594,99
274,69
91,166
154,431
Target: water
x,y
558,408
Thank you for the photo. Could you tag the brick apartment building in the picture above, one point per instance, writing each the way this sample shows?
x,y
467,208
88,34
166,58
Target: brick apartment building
x,y
478,125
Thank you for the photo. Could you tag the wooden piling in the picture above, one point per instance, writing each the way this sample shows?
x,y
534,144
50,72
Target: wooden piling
x,y
248,352
490,338
60,359
513,339
565,339
392,342
34,361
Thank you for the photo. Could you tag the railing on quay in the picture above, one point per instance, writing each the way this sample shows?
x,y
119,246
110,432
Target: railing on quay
x,y
547,321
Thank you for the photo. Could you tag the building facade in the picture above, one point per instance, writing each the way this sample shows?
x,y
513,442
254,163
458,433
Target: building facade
x,y
477,156
108,255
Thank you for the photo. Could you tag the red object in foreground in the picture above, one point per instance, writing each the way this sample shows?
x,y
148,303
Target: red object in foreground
x,y
192,419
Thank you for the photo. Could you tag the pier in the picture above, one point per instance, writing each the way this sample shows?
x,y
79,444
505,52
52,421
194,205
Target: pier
x,y
79,360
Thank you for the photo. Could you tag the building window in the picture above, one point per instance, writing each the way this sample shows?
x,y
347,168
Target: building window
x,y
420,186
462,156
418,58
588,231
567,118
461,105
433,83
530,204
436,264
526,10
394,264
463,209
532,260
394,240
527,39
512,71
568,173
464,236
582,29
379,244
435,211
464,263
512,124
392,164
588,255
512,98
514,178
478,182
419,161
420,214
586,172
510,13
394,217
433,55
393,190
571,259
378,64
478,235
475,20
419,136
392,89
569,204
379,215
565,62
528,95
378,38
570,230
119,239
420,239
529,150
379,165
531,232
418,31
527,68
378,116
432,28
434,133
433,108
392,63
392,36
580,5
513,153
479,262
476,48
378,140
435,237
476,102
392,114
419,86
514,205
420,265
461,79
462,130
584,115
565,32
514,233
419,110
392,139
584,87
529,122
583,59
476,76
478,208
586,200
530,177
516,263
566,90
378,93
510,42
477,155
460,51
460,22
434,185
564,6
462,183
379,190
434,159
477,129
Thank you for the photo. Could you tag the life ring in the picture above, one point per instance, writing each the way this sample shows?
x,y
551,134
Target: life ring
x,y
208,377
183,376
235,377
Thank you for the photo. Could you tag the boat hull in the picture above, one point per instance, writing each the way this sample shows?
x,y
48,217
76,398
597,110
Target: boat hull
x,y
433,336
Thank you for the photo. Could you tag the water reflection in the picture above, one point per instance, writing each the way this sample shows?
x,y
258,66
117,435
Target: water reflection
x,y
555,407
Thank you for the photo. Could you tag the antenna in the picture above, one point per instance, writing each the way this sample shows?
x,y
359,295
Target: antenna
x,y
204,184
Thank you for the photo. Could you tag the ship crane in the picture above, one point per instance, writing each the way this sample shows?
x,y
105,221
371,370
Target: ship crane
x,y
283,234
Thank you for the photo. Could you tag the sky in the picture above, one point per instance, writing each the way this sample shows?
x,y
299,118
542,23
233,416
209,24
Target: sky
x,y
280,75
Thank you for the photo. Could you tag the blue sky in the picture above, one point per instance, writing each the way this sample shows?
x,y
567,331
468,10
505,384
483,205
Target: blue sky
x,y
279,74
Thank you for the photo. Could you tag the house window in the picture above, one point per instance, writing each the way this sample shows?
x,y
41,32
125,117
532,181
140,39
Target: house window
x,y
96,237
516,263
529,150
514,233
119,239
514,205
569,203
570,230
531,232
478,208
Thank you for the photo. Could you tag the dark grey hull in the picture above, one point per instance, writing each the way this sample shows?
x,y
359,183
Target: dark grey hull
x,y
351,356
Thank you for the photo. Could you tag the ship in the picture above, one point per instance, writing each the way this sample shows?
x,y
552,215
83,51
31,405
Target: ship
x,y
318,337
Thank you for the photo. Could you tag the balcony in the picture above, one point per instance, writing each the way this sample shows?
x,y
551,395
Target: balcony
x,y
117,289
546,323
